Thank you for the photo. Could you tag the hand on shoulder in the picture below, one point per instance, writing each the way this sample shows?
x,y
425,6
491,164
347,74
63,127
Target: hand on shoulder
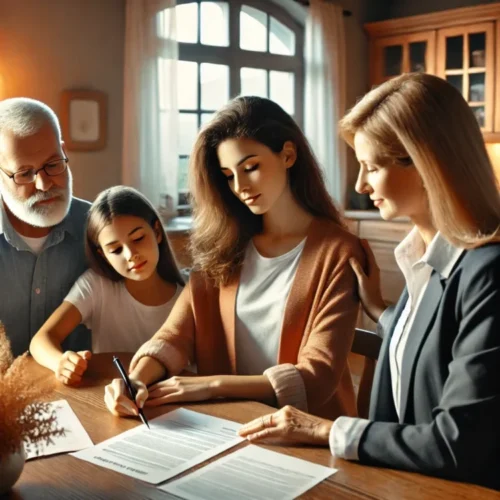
x,y
369,289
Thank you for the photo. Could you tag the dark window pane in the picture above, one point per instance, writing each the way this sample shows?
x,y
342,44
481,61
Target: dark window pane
x,y
455,52
476,87
477,50
417,56
456,81
393,59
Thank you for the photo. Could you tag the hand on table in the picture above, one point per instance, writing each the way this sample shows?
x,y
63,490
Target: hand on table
x,y
181,389
291,425
72,366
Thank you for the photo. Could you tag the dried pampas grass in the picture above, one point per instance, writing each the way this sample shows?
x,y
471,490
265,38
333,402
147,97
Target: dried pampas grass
x,y
24,417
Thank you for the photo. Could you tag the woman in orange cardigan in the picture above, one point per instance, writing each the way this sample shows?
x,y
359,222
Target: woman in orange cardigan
x,y
270,308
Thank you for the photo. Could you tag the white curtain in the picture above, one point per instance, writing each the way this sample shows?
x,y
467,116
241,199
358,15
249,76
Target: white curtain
x,y
150,117
325,91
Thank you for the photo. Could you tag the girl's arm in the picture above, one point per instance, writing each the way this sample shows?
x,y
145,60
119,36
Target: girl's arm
x,y
46,348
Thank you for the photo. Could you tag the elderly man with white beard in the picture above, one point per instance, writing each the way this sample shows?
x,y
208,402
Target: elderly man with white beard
x,y
41,223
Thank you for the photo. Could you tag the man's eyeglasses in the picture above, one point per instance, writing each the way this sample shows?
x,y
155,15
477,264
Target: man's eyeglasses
x,y
53,168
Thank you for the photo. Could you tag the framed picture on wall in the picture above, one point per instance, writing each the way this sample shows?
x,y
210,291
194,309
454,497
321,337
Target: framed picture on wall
x,y
84,119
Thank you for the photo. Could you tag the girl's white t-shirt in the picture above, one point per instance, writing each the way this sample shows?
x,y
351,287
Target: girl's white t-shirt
x,y
117,320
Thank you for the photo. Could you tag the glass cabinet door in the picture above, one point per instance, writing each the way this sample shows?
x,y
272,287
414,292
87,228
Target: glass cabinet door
x,y
418,56
466,60
402,54
392,60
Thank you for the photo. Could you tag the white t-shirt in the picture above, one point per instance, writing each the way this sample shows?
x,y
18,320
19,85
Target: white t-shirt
x,y
36,244
265,284
117,320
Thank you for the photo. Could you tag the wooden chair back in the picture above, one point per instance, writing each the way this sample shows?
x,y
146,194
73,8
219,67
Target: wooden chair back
x,y
366,344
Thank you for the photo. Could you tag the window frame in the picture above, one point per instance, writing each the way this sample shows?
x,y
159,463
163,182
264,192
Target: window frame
x,y
236,58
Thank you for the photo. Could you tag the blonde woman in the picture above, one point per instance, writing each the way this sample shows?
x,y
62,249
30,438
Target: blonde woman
x,y
435,404
269,312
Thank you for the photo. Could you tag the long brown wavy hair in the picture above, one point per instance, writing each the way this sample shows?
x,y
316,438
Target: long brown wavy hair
x,y
223,225
124,200
423,117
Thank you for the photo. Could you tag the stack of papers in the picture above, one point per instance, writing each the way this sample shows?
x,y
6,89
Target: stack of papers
x,y
182,439
175,443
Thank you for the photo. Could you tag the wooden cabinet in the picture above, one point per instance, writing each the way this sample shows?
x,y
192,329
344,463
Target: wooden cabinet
x,y
394,55
461,46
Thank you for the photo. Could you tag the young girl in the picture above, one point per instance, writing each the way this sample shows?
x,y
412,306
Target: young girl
x,y
125,296
435,403
269,312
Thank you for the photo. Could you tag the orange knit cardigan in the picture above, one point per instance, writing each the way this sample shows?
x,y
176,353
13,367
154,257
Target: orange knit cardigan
x,y
312,371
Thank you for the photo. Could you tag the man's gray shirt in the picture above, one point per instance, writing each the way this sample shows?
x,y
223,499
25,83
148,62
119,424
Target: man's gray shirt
x,y
31,286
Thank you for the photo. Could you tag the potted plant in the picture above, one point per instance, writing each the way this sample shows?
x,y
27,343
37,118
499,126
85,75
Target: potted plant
x,y
25,419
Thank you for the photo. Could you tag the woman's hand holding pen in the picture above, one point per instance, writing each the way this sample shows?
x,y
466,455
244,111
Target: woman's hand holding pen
x,y
118,400
173,390
72,366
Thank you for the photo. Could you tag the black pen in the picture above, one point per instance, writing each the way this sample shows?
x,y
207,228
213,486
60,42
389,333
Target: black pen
x,y
130,388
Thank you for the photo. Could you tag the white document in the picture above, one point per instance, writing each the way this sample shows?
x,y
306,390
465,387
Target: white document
x,y
176,442
75,436
252,473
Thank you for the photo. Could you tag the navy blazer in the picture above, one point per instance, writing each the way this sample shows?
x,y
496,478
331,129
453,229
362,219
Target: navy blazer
x,y
449,423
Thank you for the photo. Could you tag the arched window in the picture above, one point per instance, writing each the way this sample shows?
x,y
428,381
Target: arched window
x,y
231,48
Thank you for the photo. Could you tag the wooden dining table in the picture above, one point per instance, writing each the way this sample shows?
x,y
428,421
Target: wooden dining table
x,y
66,477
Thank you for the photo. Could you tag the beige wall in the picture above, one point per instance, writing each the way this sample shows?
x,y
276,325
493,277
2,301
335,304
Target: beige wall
x,y
47,46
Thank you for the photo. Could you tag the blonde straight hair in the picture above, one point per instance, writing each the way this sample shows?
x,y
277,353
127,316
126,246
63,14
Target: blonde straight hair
x,y
423,117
